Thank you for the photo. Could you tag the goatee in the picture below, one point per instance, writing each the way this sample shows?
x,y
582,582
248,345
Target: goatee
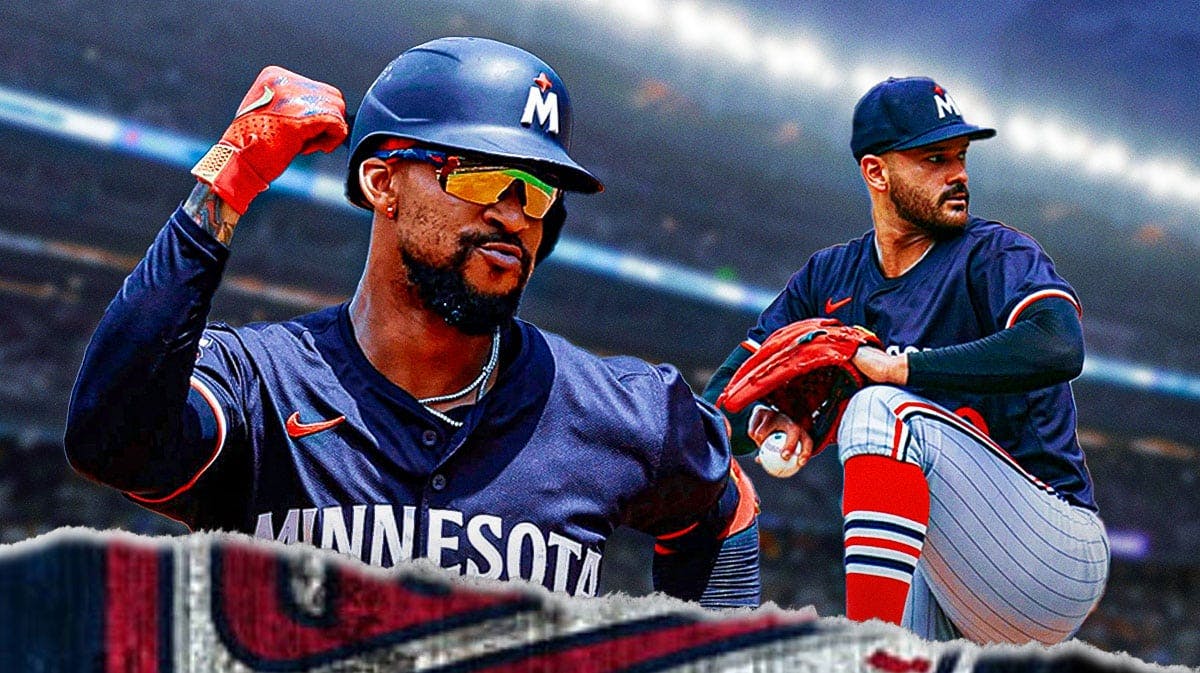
x,y
929,217
444,290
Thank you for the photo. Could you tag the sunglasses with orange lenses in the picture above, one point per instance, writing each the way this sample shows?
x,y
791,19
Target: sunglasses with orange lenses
x,y
476,182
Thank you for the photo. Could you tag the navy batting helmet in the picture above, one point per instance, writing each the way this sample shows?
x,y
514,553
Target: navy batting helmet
x,y
476,96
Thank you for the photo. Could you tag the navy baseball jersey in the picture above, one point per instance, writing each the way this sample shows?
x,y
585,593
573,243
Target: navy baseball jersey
x,y
308,442
965,288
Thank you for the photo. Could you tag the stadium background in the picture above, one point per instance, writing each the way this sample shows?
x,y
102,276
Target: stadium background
x,y
721,133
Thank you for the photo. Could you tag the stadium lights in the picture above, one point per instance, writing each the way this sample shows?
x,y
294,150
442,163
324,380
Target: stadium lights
x,y
780,61
801,58
1160,177
1022,134
979,112
1063,144
1109,158
723,32
865,77
60,120
687,24
737,41
642,13
1164,178
713,30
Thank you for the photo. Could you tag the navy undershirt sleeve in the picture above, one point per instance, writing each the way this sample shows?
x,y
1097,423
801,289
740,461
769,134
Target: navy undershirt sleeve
x,y
707,565
739,423
1044,347
715,573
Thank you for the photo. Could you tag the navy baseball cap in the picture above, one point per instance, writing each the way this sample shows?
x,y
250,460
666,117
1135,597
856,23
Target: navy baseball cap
x,y
903,113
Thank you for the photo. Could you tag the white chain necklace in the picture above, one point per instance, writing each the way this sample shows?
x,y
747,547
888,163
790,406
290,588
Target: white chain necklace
x,y
475,386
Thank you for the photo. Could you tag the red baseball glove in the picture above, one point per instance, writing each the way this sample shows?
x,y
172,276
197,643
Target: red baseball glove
x,y
283,114
804,369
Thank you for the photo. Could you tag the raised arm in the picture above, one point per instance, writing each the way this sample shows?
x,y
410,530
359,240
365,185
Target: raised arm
x,y
140,418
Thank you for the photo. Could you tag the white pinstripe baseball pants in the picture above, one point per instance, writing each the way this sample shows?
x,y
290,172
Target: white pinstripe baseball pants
x,y
1005,560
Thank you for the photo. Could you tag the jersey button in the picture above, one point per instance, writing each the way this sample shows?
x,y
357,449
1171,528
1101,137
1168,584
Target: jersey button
x,y
429,437
439,482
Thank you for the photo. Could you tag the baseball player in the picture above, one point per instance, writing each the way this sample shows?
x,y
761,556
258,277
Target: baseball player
x,y
968,507
421,418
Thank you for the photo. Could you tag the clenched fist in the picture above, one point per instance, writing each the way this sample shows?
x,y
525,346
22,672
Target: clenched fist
x,y
283,115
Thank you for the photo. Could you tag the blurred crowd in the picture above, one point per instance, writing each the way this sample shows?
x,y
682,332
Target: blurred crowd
x,y
684,184
690,184
1149,609
39,492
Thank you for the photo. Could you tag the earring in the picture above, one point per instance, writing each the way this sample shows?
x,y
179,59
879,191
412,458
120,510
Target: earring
x,y
391,211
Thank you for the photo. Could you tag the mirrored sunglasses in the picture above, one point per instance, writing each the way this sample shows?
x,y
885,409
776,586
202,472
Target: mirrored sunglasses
x,y
481,184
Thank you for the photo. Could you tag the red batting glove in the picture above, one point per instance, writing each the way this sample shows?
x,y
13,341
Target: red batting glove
x,y
283,114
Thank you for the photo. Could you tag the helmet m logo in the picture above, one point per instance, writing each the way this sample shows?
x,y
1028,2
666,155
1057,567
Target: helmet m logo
x,y
543,103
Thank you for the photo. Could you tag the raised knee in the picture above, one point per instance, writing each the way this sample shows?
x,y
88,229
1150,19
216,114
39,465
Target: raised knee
x,y
869,421
873,397
872,402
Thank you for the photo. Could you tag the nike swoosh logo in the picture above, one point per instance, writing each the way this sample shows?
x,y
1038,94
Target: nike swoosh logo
x,y
296,429
831,305
265,98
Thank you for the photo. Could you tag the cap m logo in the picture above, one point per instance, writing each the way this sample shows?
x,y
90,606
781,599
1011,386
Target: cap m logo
x,y
543,103
945,105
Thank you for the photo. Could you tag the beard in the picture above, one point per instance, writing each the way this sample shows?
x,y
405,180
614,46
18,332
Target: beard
x,y
443,288
915,207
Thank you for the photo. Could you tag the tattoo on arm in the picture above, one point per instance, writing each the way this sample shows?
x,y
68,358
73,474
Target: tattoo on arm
x,y
211,213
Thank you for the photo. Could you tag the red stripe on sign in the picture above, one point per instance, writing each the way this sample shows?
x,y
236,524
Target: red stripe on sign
x,y
131,619
609,654
257,622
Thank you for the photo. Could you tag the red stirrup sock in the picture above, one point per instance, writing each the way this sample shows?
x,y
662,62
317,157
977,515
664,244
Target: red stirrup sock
x,y
885,505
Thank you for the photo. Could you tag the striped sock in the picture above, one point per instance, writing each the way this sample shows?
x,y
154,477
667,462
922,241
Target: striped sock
x,y
885,505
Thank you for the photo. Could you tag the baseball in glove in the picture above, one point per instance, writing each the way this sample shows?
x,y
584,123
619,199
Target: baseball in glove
x,y
805,371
